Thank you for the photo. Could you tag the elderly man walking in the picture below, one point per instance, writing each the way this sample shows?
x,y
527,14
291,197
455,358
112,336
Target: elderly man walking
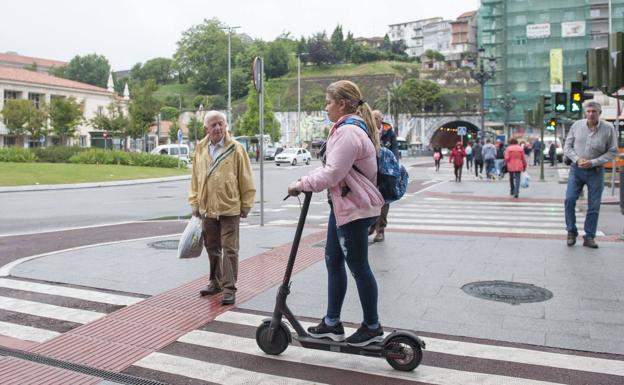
x,y
590,144
222,192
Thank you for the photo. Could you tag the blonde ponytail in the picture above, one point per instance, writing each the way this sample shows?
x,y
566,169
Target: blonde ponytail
x,y
351,94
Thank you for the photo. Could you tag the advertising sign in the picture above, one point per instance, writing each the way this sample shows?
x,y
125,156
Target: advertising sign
x,y
573,29
556,70
538,31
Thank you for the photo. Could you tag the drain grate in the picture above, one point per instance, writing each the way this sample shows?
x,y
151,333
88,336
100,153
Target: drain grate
x,y
169,244
509,292
119,378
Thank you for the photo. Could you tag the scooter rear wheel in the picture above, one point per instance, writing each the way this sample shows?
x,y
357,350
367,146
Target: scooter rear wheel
x,y
406,347
279,343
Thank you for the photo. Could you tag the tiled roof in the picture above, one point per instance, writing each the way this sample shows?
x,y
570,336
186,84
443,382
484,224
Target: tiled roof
x,y
467,14
26,60
26,76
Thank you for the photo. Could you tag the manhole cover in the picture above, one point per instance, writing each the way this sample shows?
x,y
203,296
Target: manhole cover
x,y
169,244
510,292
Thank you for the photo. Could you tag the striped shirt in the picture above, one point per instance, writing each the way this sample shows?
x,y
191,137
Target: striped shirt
x,y
598,145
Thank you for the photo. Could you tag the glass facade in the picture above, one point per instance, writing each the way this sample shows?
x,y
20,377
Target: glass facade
x,y
520,35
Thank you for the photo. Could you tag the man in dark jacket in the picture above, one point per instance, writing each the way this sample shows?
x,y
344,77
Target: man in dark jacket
x,y
478,158
388,140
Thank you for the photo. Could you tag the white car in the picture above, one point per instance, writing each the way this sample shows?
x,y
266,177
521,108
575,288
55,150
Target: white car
x,y
181,151
293,156
558,149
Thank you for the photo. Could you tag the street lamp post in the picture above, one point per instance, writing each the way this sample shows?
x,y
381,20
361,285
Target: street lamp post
x,y
482,76
507,102
298,139
229,105
200,119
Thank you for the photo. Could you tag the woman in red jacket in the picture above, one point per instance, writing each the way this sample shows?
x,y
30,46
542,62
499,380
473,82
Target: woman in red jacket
x,y
516,163
457,157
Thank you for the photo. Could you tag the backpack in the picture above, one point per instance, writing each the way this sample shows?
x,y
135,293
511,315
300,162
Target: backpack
x,y
392,177
436,156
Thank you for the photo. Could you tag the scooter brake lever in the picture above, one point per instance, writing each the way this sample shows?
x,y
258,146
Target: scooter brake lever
x,y
286,197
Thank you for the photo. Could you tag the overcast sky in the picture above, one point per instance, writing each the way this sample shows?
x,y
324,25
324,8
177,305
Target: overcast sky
x,y
131,31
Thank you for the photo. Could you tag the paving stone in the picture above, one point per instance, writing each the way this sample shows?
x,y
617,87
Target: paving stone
x,y
463,317
603,331
571,314
569,341
499,334
544,325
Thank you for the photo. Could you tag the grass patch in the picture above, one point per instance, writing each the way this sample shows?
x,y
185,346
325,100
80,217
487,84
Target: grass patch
x,y
22,174
350,69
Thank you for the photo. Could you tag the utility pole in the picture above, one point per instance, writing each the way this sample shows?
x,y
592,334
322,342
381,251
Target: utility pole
x,y
229,105
482,76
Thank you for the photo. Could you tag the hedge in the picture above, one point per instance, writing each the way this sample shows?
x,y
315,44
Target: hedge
x,y
97,156
17,154
56,154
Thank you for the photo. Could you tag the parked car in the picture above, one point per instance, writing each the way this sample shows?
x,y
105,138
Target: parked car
x,y
269,152
293,156
559,149
174,150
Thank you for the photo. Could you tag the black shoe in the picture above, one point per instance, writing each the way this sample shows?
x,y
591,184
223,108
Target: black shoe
x,y
365,336
228,299
589,242
322,330
571,239
211,289
515,195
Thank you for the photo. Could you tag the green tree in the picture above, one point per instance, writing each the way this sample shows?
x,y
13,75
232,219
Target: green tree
x,y
113,120
319,49
348,47
159,69
65,115
338,44
420,94
196,125
169,113
91,69
276,60
240,84
173,131
201,56
16,114
434,55
250,124
143,109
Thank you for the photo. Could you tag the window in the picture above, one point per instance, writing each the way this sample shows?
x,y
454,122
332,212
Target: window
x,y
8,94
100,110
36,99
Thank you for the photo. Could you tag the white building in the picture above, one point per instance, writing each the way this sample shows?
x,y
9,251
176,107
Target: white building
x,y
13,60
17,83
437,36
411,33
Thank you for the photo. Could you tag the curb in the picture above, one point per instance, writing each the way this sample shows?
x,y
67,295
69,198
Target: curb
x,y
47,187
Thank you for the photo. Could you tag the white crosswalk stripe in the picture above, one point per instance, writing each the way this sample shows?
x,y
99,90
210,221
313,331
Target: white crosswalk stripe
x,y
76,306
476,216
529,363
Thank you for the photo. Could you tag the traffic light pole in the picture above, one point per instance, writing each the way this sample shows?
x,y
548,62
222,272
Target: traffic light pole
x,y
542,152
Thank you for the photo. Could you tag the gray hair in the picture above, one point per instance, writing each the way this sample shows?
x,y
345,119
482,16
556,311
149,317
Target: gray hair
x,y
213,113
593,104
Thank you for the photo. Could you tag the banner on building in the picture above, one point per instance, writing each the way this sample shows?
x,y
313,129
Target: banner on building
x,y
573,29
538,31
556,70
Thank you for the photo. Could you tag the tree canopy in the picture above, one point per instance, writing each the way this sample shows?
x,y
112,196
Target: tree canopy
x,y
91,69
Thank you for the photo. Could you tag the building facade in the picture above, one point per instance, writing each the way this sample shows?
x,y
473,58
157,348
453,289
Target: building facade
x,y
13,60
437,37
412,35
528,38
40,89
463,40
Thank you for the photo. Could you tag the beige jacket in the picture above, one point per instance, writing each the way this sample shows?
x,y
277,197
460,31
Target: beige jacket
x,y
221,186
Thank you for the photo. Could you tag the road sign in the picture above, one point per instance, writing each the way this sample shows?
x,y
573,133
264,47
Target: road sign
x,y
179,136
461,131
42,139
257,73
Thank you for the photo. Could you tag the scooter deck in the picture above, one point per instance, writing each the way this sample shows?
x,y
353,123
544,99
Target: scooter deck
x,y
374,349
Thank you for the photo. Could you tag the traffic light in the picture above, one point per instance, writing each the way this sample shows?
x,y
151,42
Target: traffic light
x,y
547,104
528,118
552,124
561,99
576,97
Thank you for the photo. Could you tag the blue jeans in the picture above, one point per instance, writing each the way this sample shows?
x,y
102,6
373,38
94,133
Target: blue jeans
x,y
349,243
499,166
594,179
489,167
514,182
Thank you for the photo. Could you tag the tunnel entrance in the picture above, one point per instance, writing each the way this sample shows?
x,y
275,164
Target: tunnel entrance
x,y
446,136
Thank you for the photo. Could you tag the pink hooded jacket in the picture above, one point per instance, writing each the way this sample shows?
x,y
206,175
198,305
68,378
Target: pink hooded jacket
x,y
346,146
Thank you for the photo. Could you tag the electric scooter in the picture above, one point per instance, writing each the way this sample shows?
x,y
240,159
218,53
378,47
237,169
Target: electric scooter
x,y
401,349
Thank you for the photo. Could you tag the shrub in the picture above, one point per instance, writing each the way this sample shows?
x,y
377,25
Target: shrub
x,y
97,156
56,154
17,154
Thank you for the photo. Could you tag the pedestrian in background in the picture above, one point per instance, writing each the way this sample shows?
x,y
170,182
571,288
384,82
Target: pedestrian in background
x,y
388,140
516,164
537,152
355,202
468,151
437,157
222,192
590,144
499,161
489,155
457,158
552,154
478,158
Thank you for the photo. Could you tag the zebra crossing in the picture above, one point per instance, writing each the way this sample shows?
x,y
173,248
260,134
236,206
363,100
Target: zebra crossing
x,y
480,217
225,352
37,312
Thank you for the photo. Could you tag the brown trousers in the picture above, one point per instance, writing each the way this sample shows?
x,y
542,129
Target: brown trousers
x,y
222,243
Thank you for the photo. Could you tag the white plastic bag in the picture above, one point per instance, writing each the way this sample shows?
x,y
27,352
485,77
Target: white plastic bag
x,y
191,242
525,178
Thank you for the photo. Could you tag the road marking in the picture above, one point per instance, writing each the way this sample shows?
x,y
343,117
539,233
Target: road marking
x,y
471,349
411,214
68,228
205,371
26,333
362,364
87,295
536,225
472,229
495,203
281,222
49,311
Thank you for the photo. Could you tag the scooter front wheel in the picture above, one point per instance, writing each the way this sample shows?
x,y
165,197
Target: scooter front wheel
x,y
403,353
280,339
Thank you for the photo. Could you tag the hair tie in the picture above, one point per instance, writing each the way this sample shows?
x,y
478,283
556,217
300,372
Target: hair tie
x,y
360,102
